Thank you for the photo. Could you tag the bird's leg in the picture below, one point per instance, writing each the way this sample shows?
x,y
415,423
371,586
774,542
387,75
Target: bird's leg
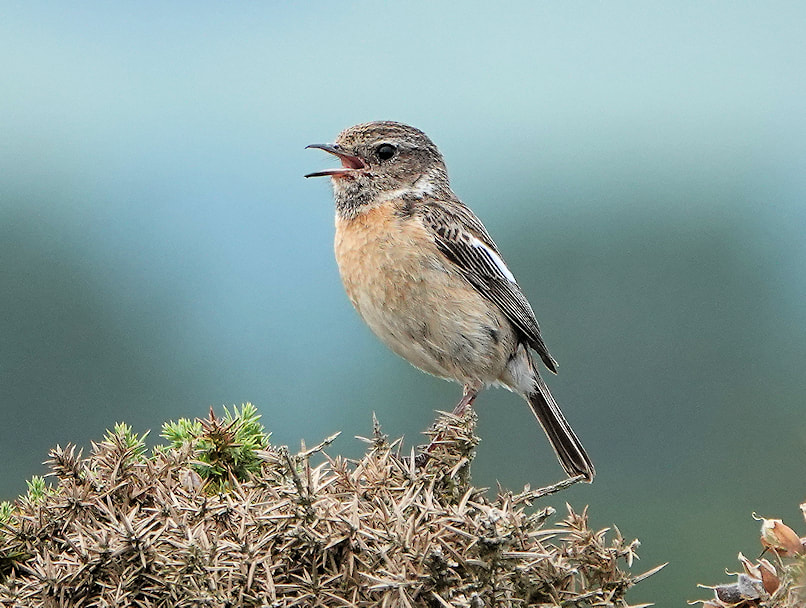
x,y
469,392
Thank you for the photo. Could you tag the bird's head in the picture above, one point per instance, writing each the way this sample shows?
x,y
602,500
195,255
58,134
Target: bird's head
x,y
380,159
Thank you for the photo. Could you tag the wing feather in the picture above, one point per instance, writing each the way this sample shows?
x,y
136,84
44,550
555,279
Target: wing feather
x,y
461,236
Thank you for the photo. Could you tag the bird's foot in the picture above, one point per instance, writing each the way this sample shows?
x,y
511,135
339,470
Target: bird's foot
x,y
469,393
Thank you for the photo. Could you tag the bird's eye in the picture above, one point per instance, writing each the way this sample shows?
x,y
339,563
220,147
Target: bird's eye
x,y
385,151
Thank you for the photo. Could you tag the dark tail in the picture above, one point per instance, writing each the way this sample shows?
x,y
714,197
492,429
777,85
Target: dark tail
x,y
569,450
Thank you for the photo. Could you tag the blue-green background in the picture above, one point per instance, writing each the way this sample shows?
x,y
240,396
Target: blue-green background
x,y
642,165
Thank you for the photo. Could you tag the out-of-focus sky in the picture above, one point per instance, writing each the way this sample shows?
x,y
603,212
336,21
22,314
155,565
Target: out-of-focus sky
x,y
642,166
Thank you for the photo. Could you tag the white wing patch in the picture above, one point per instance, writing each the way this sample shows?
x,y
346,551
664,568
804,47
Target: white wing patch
x,y
496,259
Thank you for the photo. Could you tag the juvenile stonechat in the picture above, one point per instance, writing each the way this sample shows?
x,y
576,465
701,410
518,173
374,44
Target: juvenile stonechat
x,y
424,274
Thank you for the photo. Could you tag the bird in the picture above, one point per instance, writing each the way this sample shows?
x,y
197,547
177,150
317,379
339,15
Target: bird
x,y
427,278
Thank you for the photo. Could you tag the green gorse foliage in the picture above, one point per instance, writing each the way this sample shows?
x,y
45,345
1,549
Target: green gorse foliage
x,y
225,450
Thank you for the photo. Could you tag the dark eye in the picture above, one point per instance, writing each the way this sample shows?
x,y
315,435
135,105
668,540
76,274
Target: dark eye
x,y
385,151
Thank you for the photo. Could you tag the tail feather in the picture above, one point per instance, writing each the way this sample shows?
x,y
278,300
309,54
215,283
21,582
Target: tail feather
x,y
569,450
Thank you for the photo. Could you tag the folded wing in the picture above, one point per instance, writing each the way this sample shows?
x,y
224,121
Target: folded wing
x,y
463,239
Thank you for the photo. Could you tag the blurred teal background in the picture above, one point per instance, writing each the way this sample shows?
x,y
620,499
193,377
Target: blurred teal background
x,y
641,165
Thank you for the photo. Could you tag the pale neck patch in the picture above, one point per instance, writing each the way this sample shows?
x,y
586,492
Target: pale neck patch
x,y
424,184
421,188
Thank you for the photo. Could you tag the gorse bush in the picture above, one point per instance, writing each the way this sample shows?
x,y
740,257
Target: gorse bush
x,y
220,517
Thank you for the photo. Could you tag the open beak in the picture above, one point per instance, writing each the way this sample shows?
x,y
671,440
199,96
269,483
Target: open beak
x,y
349,163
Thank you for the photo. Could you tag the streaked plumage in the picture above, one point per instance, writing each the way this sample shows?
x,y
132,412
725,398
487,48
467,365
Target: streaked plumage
x,y
463,239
